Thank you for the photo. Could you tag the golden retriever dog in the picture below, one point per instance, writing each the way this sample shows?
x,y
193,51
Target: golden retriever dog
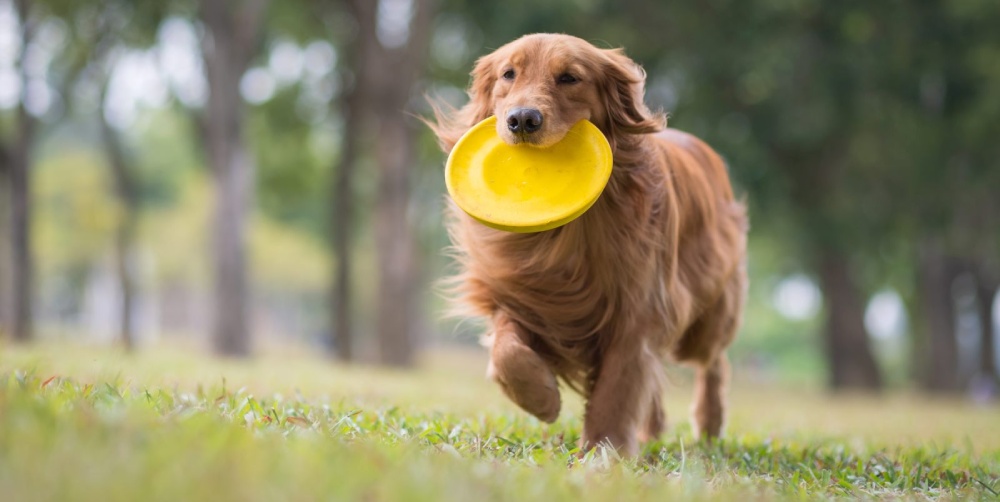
x,y
655,269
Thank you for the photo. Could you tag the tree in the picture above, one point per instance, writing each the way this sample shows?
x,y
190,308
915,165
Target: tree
x,y
941,113
232,32
16,156
100,32
987,286
852,365
6,284
385,71
394,77
801,90
128,196
354,105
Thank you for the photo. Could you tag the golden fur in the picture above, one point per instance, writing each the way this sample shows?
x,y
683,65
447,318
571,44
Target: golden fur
x,y
655,268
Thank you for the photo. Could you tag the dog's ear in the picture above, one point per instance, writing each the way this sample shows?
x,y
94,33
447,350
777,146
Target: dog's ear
x,y
450,124
484,79
622,90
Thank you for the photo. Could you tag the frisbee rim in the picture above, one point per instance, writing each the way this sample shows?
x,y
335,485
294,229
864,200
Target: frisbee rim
x,y
541,223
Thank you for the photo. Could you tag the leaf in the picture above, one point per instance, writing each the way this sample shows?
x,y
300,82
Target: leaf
x,y
846,485
48,381
988,487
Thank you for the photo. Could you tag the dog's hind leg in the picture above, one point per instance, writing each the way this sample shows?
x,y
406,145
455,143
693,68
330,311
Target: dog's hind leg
x,y
708,409
703,346
521,373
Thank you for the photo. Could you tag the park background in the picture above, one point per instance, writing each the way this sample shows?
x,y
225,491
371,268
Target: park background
x,y
245,178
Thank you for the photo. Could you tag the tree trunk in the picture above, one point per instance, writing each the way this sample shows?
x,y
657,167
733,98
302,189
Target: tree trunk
x,y
125,232
342,221
386,76
356,105
22,268
936,351
19,156
852,365
986,290
394,237
5,255
396,75
231,182
233,29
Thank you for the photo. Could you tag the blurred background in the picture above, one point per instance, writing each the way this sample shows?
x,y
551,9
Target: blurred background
x,y
244,176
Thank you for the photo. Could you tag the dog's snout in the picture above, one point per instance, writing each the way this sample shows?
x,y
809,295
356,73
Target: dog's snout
x,y
524,120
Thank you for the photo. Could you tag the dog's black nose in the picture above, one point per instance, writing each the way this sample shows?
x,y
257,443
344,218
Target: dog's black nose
x,y
524,120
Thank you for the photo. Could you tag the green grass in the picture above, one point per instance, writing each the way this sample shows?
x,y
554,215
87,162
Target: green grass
x,y
87,424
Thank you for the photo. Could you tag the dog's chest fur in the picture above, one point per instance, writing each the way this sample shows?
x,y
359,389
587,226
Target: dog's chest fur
x,y
575,288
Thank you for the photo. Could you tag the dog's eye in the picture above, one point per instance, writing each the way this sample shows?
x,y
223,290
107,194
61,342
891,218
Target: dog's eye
x,y
566,78
508,75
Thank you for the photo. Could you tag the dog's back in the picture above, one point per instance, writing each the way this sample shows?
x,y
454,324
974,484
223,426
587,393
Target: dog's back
x,y
711,247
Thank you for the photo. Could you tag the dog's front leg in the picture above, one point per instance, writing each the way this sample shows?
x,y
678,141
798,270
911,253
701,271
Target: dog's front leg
x,y
620,399
522,374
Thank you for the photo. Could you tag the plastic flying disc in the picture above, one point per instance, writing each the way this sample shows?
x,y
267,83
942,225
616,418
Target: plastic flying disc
x,y
523,188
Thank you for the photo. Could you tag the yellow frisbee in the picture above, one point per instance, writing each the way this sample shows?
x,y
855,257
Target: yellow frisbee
x,y
523,188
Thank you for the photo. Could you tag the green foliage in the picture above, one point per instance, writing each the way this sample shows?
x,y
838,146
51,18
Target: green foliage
x,y
77,213
781,348
285,258
167,156
292,173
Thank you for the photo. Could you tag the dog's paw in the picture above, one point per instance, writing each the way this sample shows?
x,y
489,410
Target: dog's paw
x,y
527,380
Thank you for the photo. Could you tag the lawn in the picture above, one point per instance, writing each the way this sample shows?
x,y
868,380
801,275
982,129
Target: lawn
x,y
79,423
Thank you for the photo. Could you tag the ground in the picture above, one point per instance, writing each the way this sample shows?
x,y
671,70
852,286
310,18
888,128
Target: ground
x,y
92,424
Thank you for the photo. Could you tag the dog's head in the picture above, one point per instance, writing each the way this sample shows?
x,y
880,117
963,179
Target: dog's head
x,y
539,86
